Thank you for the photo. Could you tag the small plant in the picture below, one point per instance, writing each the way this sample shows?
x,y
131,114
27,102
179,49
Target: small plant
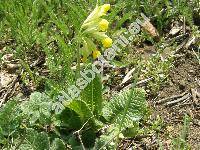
x,y
181,142
55,41
33,123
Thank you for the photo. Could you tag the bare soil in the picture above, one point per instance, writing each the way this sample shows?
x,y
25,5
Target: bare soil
x,y
178,99
184,77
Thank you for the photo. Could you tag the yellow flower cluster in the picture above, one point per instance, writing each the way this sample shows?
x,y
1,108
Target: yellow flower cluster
x,y
107,42
95,27
103,25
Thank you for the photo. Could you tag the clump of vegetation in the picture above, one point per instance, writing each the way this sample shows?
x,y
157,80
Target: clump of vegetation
x,y
54,42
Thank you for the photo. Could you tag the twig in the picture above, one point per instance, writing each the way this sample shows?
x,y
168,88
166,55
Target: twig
x,y
177,38
129,83
10,89
178,100
168,98
144,81
128,76
190,42
185,104
194,95
2,90
181,46
184,26
198,56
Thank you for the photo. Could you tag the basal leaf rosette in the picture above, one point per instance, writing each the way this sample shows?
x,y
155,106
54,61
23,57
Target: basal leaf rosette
x,y
94,29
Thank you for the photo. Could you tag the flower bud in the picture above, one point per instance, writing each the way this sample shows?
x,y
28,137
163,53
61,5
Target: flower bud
x,y
107,42
103,25
106,8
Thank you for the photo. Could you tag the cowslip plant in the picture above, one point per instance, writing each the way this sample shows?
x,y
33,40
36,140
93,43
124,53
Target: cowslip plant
x,y
123,111
40,128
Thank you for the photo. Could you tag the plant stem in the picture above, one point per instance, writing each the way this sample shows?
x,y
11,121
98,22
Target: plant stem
x,y
78,57
27,67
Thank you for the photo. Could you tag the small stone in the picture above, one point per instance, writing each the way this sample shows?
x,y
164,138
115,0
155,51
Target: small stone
x,y
175,30
191,71
12,67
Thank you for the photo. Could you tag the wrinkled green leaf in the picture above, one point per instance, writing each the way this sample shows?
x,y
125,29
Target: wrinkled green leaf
x,y
81,108
9,118
107,140
92,95
35,141
113,111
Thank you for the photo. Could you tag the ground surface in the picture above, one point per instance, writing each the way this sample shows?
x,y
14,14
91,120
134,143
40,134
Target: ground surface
x,y
175,99
179,96
184,78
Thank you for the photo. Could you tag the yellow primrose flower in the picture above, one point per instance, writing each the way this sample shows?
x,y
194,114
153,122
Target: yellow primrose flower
x,y
107,42
103,25
106,8
96,54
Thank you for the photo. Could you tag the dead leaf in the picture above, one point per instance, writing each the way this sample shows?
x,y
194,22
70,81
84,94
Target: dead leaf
x,y
150,28
128,76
